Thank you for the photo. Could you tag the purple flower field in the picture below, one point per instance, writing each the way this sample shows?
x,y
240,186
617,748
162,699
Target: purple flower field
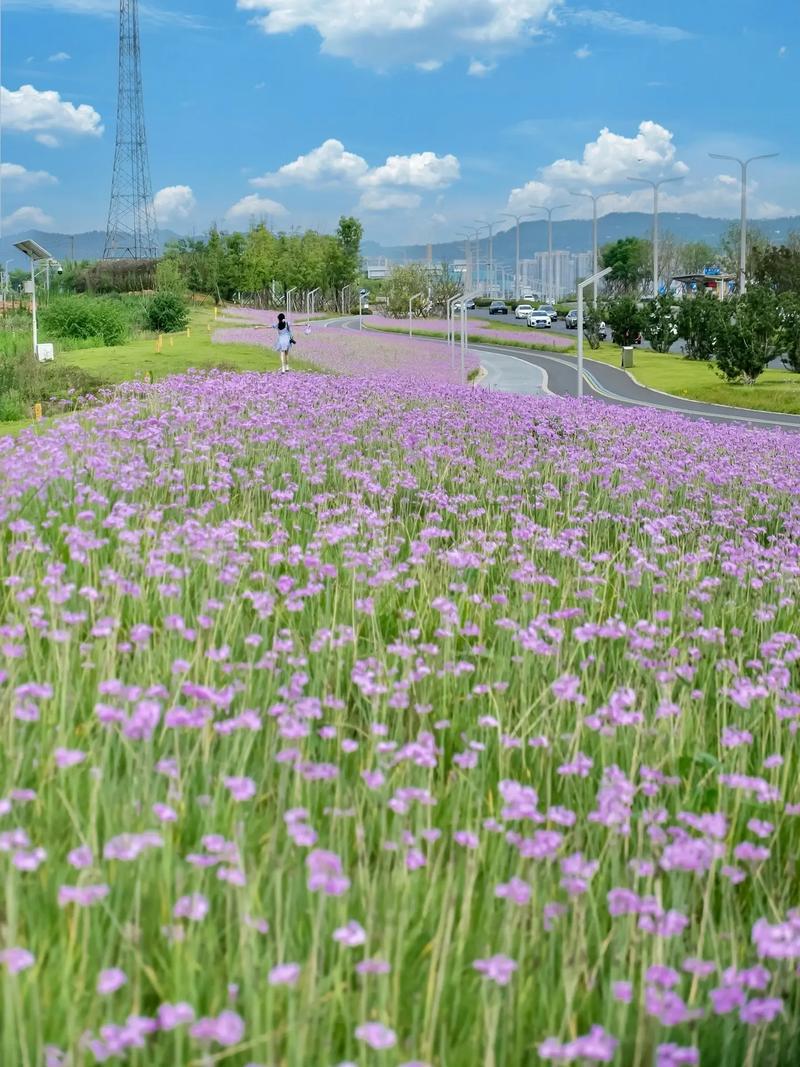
x,y
380,721
477,328
357,352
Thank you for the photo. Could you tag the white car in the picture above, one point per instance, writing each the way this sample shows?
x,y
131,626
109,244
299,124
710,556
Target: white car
x,y
540,320
522,311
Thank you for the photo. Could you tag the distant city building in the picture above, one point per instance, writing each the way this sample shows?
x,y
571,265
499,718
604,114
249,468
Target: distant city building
x,y
558,278
377,267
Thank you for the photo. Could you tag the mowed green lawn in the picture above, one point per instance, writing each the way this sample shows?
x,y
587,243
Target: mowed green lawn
x,y
179,353
775,390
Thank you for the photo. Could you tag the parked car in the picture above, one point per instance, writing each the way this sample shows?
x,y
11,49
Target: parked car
x,y
550,310
470,305
540,320
522,311
498,307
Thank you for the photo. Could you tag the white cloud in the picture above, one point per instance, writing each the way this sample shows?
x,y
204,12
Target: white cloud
x,y
330,162
477,69
254,207
615,23
45,114
392,32
25,217
727,179
613,156
174,202
583,52
782,51
17,175
59,57
429,65
438,219
108,9
421,170
378,200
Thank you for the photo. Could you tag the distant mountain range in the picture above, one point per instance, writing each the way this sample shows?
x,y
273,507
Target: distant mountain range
x,y
575,235
571,235
64,246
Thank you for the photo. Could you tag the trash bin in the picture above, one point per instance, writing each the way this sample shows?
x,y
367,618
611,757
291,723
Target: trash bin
x,y
627,357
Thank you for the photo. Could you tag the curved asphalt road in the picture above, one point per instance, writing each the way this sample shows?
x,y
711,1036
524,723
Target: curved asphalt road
x,y
558,374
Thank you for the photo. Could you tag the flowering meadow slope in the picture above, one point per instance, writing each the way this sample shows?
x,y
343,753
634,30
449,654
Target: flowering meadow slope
x,y
363,721
359,353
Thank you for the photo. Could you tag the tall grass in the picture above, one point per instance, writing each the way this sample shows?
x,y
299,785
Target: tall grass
x,y
471,707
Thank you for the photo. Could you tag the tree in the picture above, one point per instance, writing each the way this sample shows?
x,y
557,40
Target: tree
x,y
628,259
169,277
701,320
592,320
751,338
778,266
625,318
789,314
402,284
444,285
730,246
661,323
669,257
695,256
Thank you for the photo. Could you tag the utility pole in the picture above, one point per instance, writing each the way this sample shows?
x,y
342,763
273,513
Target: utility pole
x,y
549,212
743,163
655,187
595,265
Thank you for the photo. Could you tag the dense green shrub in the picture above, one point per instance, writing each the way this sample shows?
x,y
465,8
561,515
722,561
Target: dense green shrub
x,y
81,318
661,323
701,322
167,313
625,318
752,337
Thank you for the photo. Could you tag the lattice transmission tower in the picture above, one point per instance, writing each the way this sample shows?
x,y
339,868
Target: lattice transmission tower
x,y
131,230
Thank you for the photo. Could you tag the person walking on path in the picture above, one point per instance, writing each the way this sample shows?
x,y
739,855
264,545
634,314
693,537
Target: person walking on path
x,y
285,340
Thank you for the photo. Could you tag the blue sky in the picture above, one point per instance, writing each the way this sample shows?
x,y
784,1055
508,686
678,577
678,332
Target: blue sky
x,y
417,115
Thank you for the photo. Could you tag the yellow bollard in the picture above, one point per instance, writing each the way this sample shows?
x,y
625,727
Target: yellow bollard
x,y
171,343
159,344
188,331
208,327
37,411
215,313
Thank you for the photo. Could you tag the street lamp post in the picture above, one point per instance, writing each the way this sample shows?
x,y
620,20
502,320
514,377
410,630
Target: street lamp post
x,y
344,290
655,187
517,219
289,300
490,226
310,307
743,163
451,326
35,254
595,265
592,280
416,296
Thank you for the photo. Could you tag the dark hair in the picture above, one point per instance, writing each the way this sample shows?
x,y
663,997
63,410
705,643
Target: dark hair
x,y
281,315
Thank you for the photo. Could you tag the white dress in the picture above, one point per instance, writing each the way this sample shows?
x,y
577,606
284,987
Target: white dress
x,y
284,339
